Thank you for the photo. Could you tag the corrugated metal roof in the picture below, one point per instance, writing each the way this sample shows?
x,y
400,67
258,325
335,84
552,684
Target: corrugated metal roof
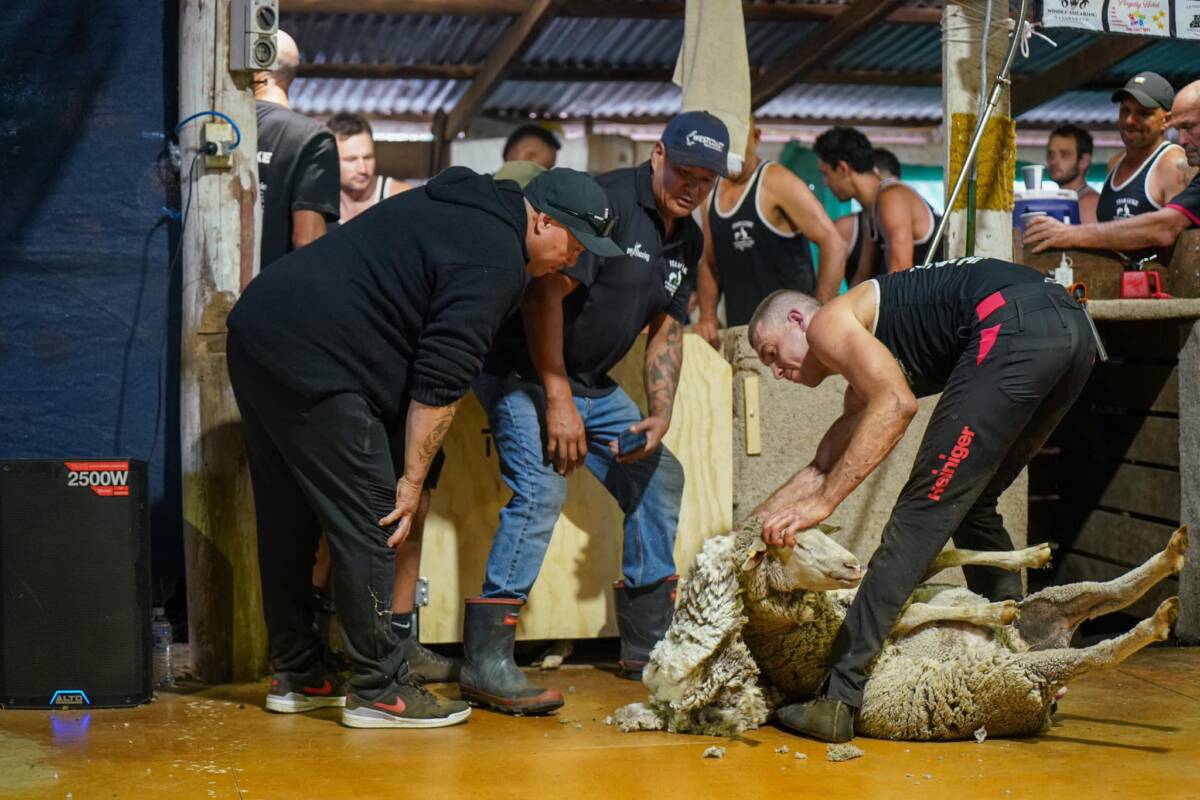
x,y
652,44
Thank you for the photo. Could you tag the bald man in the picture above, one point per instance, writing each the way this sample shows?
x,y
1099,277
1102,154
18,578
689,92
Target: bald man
x,y
298,172
1156,230
1009,352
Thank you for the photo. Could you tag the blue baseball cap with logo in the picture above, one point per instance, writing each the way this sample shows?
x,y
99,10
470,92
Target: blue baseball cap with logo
x,y
698,139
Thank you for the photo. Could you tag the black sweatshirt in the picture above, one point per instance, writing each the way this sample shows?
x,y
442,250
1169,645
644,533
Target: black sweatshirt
x,y
401,302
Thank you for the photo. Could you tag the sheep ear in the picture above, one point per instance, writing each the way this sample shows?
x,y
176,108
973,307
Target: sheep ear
x,y
756,553
829,530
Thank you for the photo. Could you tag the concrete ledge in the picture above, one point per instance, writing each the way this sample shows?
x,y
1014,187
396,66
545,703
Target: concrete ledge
x,y
1131,310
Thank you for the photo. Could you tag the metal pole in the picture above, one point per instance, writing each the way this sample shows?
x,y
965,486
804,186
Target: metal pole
x,y
1002,81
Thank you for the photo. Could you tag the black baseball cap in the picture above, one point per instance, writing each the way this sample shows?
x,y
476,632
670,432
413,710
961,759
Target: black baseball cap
x,y
574,199
1148,89
698,139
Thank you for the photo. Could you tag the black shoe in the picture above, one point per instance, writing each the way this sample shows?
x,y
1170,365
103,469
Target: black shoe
x,y
433,667
292,694
643,615
490,677
407,705
824,718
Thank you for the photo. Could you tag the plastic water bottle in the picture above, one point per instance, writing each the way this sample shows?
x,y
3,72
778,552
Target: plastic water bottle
x,y
160,629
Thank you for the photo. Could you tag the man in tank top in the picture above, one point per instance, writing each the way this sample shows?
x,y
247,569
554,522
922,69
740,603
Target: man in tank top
x,y
1149,232
864,256
1008,351
757,227
1068,157
362,187
903,219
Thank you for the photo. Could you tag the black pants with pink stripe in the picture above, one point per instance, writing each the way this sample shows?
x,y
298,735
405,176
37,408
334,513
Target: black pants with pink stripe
x,y
1026,362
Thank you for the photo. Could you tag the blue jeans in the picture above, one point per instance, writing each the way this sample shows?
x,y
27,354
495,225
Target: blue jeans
x,y
649,491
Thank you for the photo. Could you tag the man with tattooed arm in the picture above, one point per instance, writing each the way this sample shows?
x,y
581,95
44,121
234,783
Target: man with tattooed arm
x,y
348,360
552,407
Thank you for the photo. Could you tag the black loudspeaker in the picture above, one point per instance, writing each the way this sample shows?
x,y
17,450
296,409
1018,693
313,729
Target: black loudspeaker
x,y
74,584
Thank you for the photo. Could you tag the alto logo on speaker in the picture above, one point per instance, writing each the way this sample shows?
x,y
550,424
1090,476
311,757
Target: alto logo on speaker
x,y
105,478
70,697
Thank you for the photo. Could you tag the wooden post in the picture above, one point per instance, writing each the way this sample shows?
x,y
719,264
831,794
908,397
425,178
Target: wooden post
x,y
961,44
225,623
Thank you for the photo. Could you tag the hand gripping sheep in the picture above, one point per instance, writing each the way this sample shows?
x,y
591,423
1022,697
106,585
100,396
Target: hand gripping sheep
x,y
754,626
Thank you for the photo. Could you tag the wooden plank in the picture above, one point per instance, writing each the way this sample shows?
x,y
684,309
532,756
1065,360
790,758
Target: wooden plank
x,y
591,74
647,9
1138,387
226,629
819,47
750,386
1076,568
504,56
572,597
1094,59
1153,440
1119,538
1149,491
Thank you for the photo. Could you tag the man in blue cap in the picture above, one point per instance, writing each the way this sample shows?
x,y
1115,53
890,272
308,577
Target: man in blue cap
x,y
552,407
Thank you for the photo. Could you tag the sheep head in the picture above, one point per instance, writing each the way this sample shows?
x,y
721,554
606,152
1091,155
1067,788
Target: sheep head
x,y
815,563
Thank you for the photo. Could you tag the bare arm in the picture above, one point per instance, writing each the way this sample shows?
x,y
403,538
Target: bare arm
x,y
425,428
396,187
566,443
809,480
808,216
1171,175
307,227
896,220
1157,229
708,286
1087,207
664,360
840,341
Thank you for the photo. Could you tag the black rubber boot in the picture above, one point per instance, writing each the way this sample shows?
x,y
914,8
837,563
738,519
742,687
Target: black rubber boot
x,y
824,718
490,677
643,615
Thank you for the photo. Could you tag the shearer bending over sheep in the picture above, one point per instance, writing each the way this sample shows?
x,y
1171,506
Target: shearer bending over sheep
x,y
1008,350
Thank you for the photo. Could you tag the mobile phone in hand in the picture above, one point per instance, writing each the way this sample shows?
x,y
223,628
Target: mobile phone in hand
x,y
630,442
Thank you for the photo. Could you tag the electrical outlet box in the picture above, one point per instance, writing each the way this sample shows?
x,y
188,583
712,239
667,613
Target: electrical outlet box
x,y
221,135
252,28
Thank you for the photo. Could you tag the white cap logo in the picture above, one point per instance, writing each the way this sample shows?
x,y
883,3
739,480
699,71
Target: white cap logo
x,y
695,137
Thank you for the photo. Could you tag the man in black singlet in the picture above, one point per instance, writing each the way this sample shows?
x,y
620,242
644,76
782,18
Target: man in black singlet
x,y
757,226
1009,353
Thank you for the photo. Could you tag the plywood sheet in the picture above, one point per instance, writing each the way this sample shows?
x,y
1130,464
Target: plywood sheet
x,y
572,598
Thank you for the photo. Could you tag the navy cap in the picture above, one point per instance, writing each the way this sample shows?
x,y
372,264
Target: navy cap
x,y
1148,89
574,199
698,139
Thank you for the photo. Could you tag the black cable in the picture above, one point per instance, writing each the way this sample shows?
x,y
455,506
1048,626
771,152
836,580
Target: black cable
x,y
162,355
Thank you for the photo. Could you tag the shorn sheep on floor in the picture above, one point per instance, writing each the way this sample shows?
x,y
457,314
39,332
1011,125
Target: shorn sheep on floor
x,y
754,626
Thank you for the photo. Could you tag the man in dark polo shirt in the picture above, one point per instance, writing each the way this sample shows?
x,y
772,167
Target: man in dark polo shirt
x,y
552,407
348,360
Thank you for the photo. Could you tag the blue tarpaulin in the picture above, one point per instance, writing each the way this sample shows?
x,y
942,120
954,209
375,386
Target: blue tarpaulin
x,y
88,305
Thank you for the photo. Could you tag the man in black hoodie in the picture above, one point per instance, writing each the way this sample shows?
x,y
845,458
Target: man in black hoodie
x,y
348,360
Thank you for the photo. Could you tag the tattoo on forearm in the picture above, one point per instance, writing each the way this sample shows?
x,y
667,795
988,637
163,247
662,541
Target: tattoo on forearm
x,y
437,432
663,361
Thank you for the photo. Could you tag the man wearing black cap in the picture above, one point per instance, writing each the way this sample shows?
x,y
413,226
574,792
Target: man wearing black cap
x,y
1151,170
1148,232
348,362
552,407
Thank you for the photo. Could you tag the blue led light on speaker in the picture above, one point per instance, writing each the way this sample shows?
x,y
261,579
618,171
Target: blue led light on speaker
x,y
69,697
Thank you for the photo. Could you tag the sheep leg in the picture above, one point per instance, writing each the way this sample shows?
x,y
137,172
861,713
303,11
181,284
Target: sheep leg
x,y
1049,618
918,614
1011,560
1060,665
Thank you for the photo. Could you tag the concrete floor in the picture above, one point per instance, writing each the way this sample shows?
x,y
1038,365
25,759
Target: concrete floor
x,y
1131,732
